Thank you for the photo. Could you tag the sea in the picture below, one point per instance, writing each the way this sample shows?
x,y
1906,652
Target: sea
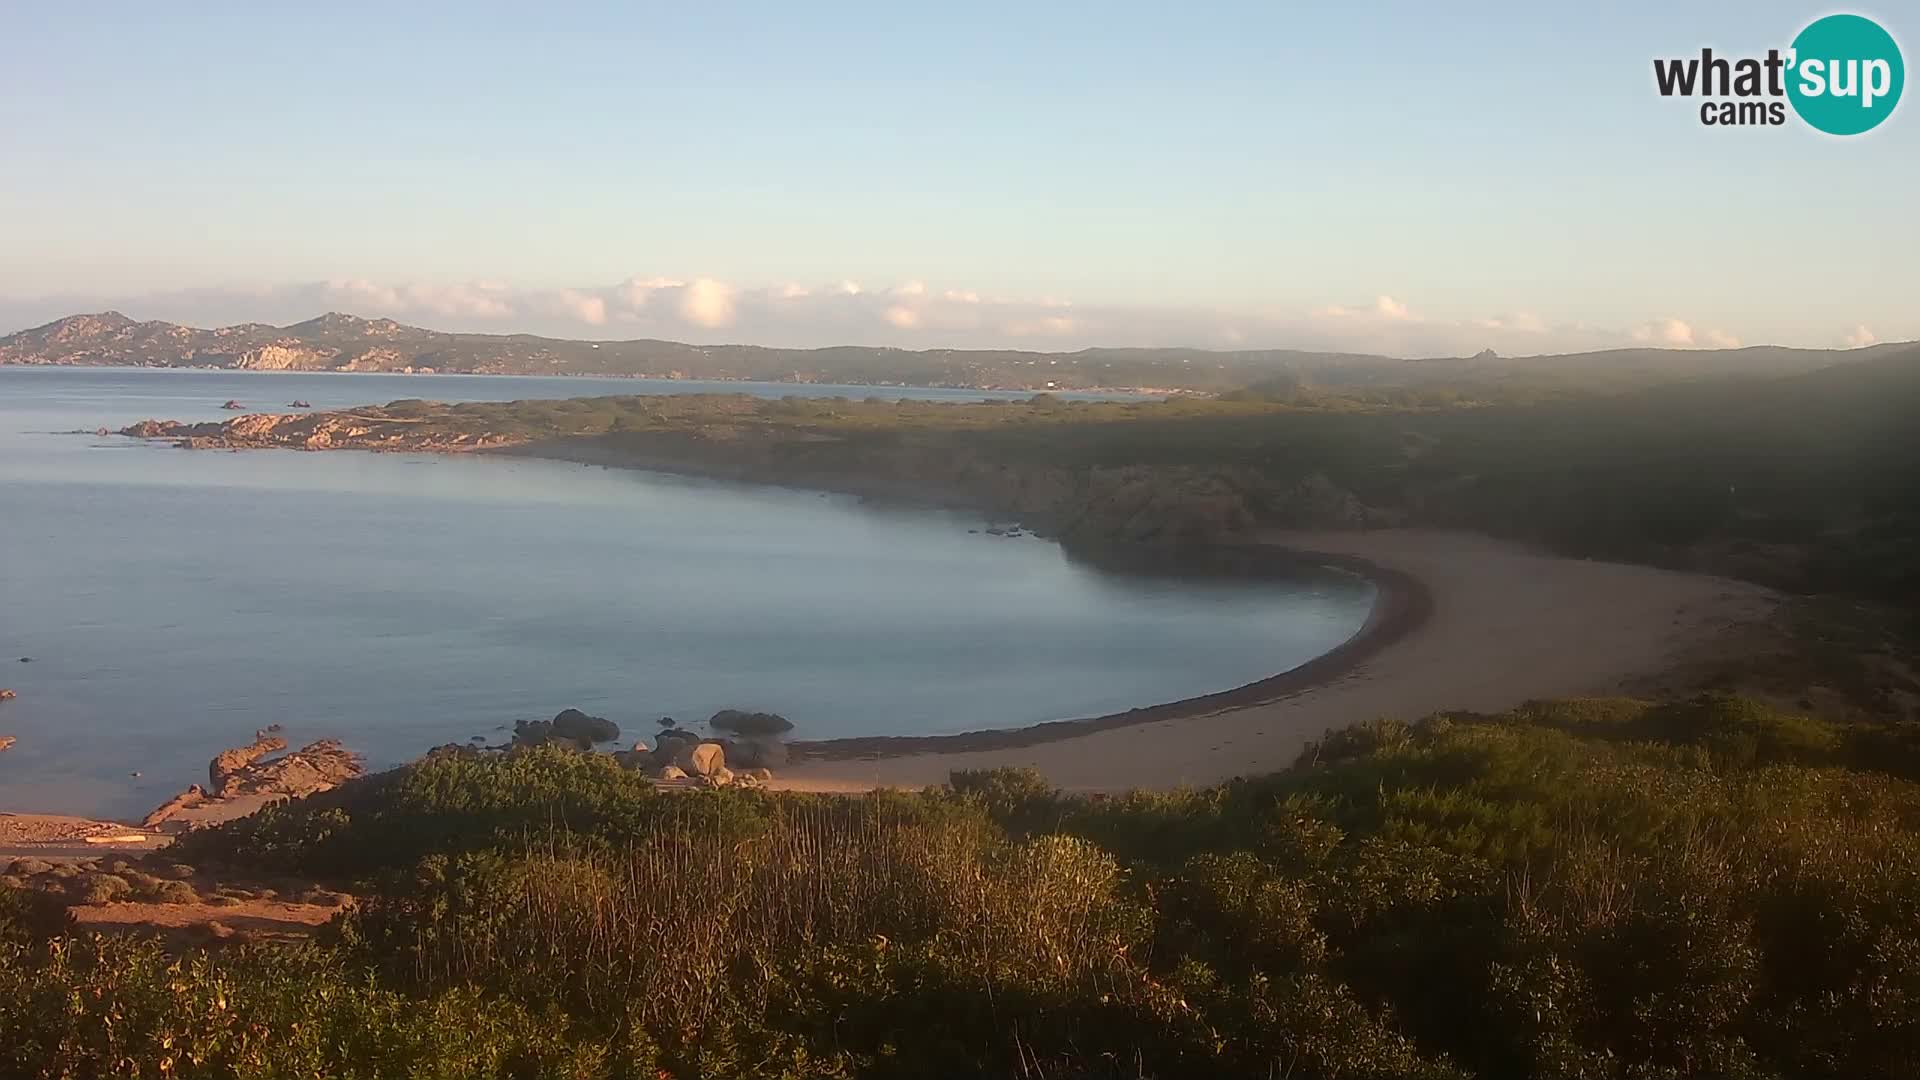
x,y
158,605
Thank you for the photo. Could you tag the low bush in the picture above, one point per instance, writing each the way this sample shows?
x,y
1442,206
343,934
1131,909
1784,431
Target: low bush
x,y
1575,889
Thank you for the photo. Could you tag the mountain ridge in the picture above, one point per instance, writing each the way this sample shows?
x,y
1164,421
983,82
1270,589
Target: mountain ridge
x,y
338,341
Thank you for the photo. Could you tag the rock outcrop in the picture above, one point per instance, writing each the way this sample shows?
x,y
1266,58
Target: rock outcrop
x,y
317,766
570,728
318,431
195,795
250,771
575,725
532,732
701,759
228,764
755,752
286,356
749,723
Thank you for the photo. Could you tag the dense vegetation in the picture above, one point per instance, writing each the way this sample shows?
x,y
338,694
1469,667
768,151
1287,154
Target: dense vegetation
x,y
1809,482
1604,889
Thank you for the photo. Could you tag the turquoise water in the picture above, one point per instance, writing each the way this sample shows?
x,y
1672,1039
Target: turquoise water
x,y
174,601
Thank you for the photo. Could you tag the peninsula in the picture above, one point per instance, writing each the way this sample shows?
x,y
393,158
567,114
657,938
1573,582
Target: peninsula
x,y
1664,562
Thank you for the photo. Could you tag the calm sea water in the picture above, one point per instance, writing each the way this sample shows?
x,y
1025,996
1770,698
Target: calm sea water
x,y
173,601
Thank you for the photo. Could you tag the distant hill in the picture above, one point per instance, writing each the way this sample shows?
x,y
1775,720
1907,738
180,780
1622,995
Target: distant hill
x,y
337,342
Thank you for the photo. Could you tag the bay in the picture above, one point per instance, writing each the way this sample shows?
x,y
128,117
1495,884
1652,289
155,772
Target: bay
x,y
173,602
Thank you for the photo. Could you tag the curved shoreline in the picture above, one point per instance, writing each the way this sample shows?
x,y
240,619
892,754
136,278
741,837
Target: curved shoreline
x,y
1402,604
1461,621
1503,624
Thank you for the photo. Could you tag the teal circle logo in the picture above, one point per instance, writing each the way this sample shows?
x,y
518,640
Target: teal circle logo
x,y
1845,75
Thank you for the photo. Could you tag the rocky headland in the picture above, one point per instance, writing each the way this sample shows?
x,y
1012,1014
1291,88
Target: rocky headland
x,y
1094,508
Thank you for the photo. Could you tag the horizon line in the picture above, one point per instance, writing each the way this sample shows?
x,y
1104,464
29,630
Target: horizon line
x,y
1328,353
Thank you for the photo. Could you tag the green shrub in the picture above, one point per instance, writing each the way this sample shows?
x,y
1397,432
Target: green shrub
x,y
170,892
101,889
101,1006
1741,731
1591,888
30,915
449,804
1357,740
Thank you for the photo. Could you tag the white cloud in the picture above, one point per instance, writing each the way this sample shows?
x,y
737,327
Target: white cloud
x,y
476,300
1045,326
915,314
1384,308
1680,334
1859,337
1522,322
1667,331
638,292
589,309
708,303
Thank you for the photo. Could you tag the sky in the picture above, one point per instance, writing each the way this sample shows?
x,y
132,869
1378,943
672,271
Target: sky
x,y
1395,177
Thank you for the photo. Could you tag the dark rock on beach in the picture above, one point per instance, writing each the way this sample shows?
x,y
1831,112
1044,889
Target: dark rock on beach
x,y
673,738
570,728
576,725
755,752
533,732
750,723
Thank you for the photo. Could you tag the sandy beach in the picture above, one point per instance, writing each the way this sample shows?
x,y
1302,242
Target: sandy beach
x,y
1505,623
1485,624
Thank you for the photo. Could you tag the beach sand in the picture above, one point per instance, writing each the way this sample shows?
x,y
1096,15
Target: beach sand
x,y
1505,623
1485,625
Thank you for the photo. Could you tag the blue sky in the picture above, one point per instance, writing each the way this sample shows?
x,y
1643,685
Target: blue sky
x,y
1385,176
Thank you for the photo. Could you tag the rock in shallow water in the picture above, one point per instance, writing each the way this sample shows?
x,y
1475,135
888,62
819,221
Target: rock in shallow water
x,y
750,723
229,763
575,725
